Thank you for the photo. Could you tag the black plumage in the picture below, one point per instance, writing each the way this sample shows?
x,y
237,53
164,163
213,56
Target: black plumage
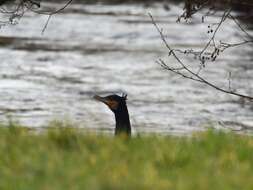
x,y
118,106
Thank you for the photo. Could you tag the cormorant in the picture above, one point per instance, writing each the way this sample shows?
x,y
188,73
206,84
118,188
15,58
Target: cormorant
x,y
118,106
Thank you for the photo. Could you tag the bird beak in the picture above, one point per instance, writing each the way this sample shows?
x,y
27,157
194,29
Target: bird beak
x,y
99,98
110,103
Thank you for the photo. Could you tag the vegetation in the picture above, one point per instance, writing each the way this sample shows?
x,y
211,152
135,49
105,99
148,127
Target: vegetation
x,y
65,158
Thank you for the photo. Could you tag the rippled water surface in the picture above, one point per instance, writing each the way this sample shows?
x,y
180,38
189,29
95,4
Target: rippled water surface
x,y
102,49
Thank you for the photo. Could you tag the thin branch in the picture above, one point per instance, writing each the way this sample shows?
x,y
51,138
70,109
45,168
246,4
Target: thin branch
x,y
192,75
223,18
53,13
18,9
239,25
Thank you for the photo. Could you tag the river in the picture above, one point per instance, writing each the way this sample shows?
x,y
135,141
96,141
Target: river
x,y
103,49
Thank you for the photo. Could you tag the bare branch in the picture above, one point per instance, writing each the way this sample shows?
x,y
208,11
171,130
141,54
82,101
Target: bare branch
x,y
186,72
16,9
53,13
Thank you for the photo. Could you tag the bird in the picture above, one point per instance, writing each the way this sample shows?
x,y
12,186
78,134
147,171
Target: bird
x,y
117,104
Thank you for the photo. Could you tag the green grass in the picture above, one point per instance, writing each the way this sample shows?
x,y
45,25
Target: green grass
x,y
63,158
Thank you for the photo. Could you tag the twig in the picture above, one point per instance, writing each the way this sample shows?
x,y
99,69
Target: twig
x,y
24,5
192,75
53,13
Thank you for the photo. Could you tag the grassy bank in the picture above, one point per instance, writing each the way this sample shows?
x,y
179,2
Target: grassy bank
x,y
64,158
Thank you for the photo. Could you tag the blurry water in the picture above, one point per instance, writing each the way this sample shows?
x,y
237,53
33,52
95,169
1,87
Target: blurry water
x,y
103,49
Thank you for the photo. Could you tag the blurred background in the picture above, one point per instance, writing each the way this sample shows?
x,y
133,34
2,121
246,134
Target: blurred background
x,y
104,47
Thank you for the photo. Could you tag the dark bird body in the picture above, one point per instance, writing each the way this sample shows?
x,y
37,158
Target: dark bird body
x,y
118,106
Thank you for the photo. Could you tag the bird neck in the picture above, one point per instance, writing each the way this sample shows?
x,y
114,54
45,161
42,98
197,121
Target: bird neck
x,y
122,120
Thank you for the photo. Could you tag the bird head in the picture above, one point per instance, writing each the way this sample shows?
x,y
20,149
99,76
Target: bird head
x,y
112,101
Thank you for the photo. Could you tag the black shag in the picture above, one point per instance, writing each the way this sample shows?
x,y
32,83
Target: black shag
x,y
118,106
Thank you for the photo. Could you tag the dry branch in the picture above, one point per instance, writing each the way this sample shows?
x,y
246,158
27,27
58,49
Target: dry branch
x,y
203,55
14,10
